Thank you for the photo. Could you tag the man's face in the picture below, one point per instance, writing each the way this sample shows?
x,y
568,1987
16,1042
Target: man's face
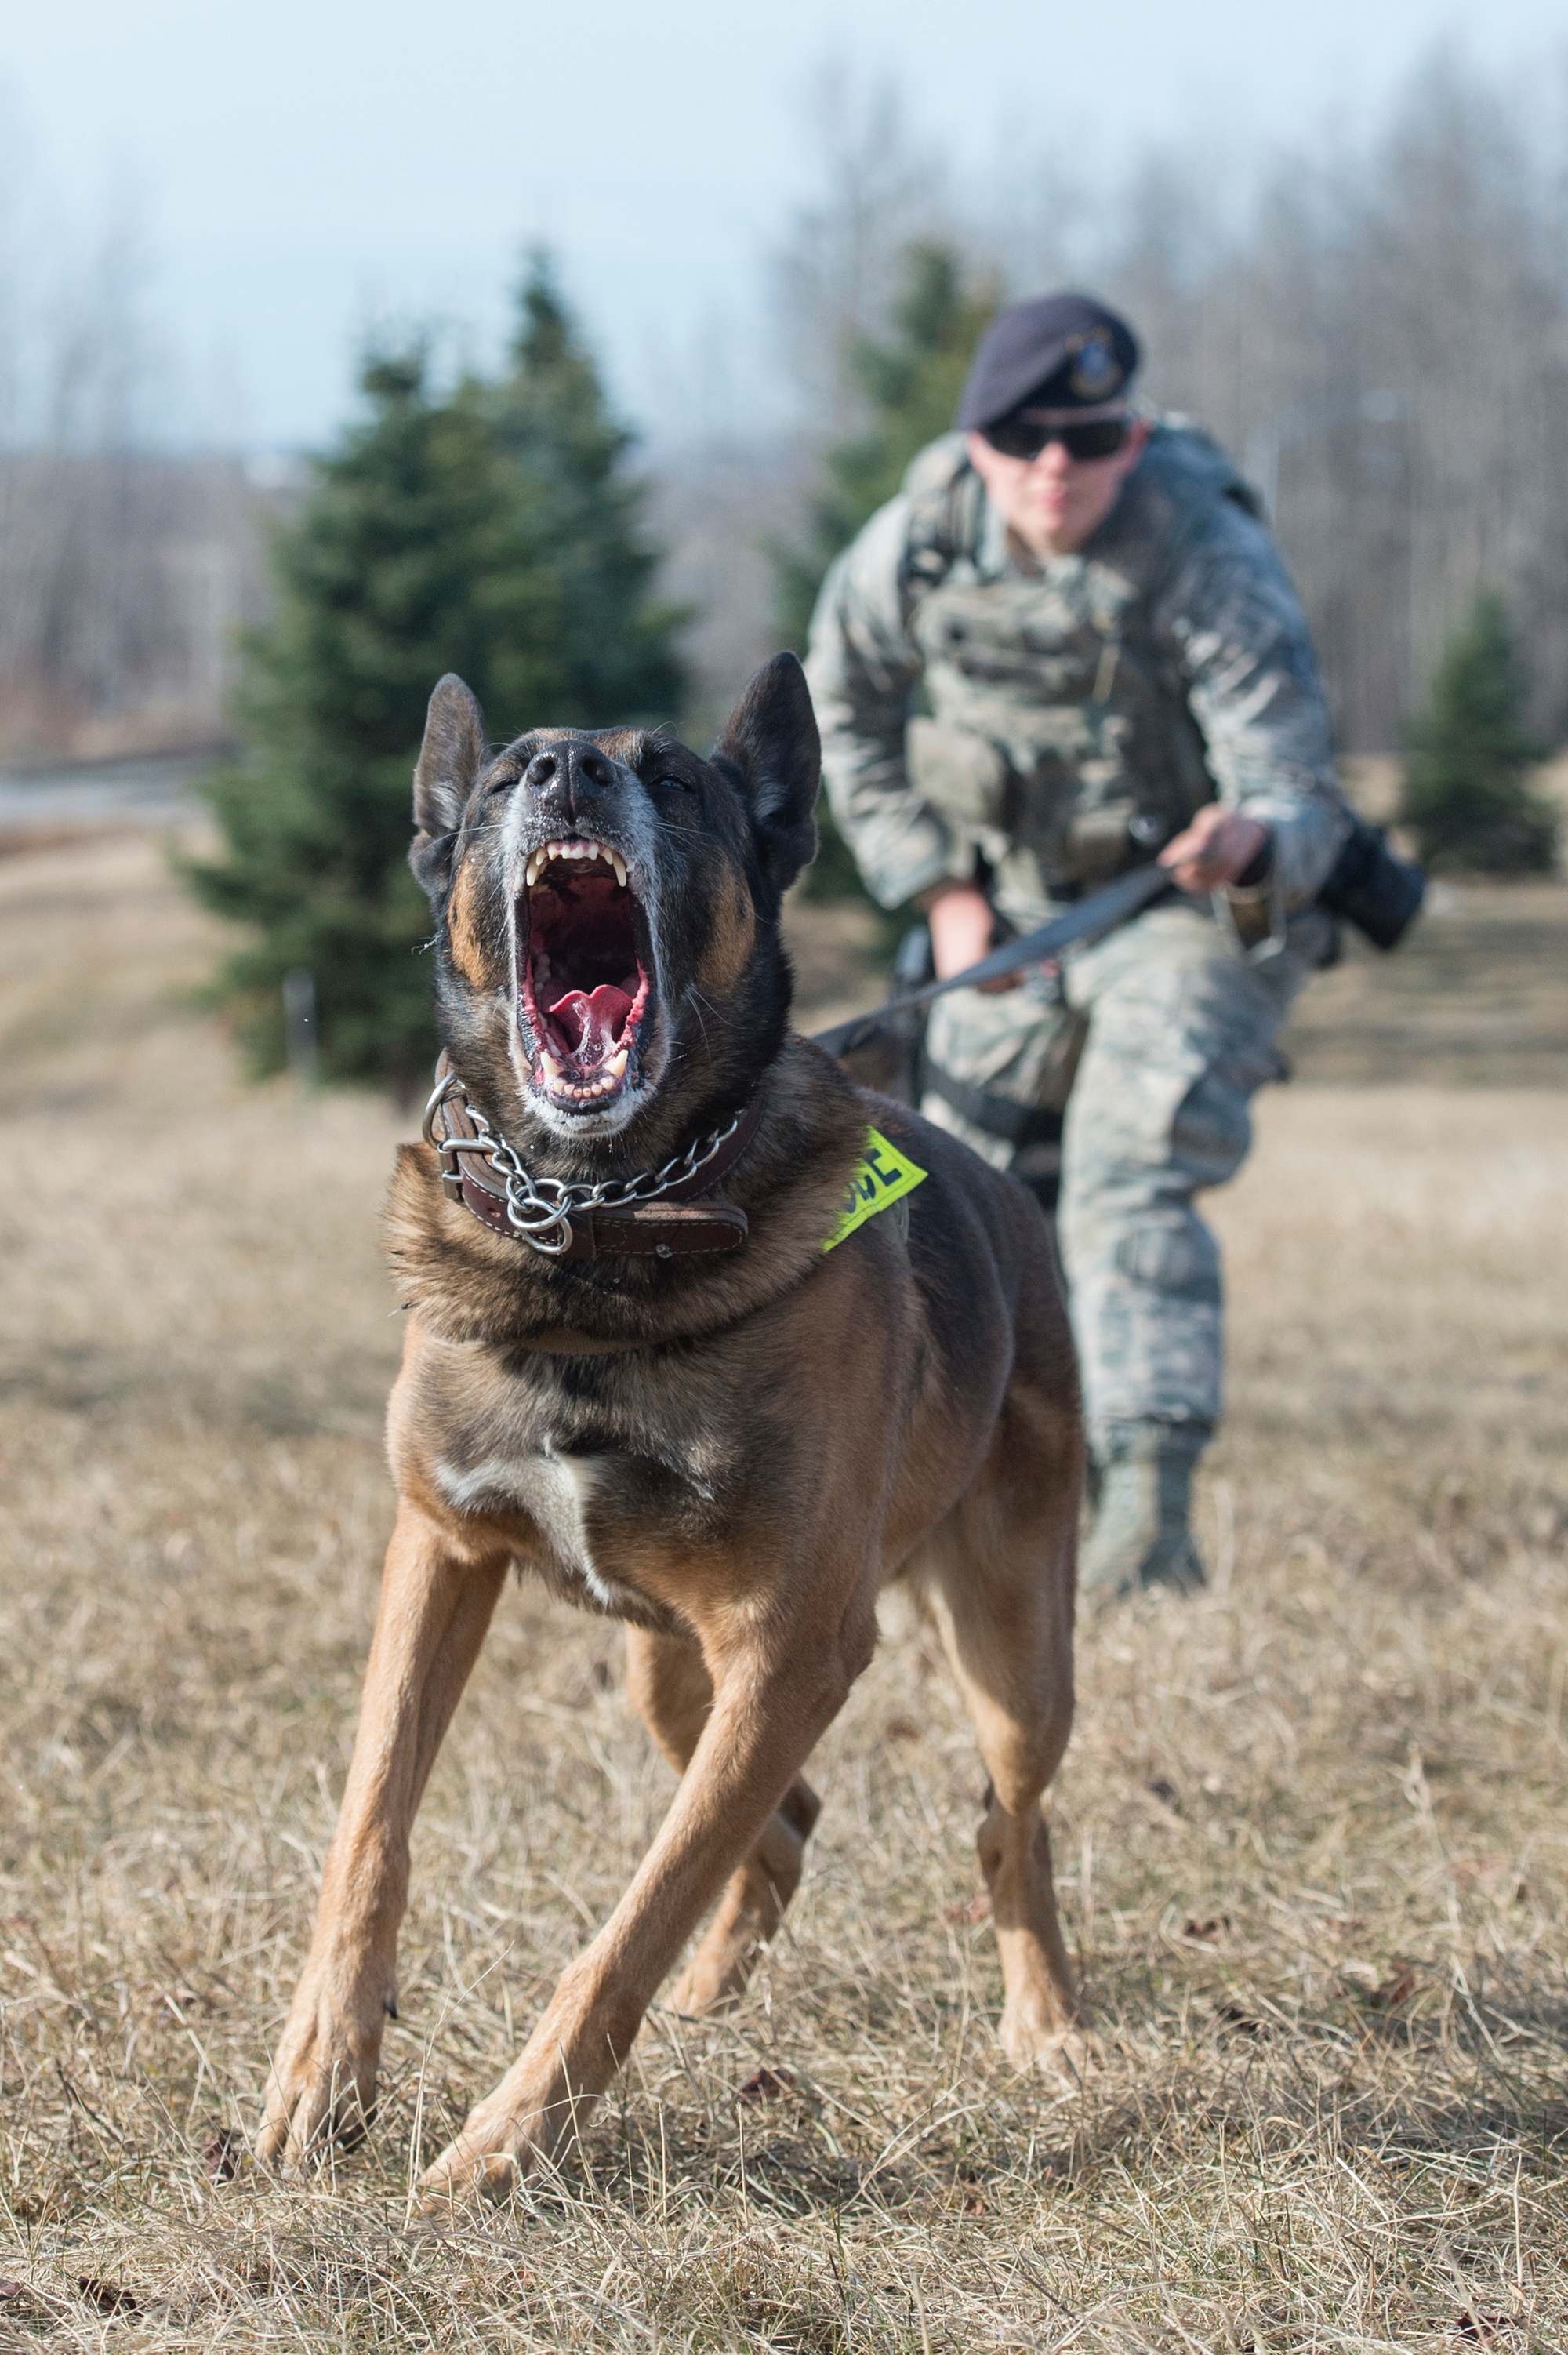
x,y
1055,502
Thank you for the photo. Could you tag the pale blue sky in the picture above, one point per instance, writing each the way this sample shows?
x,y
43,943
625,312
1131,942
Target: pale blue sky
x,y
304,167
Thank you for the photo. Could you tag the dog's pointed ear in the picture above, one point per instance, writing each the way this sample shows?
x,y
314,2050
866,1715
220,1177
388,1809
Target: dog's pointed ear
x,y
771,739
455,751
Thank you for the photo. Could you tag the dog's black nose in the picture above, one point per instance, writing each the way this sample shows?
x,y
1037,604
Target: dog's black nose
x,y
593,767
568,772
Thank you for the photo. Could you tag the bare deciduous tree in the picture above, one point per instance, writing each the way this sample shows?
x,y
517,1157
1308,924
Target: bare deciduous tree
x,y
124,570
836,269
1381,330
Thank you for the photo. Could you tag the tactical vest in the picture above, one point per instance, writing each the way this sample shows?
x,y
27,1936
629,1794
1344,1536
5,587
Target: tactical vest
x,y
1059,737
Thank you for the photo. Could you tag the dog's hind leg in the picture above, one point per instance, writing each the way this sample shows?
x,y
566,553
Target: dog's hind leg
x,y
998,1583
434,1611
667,1681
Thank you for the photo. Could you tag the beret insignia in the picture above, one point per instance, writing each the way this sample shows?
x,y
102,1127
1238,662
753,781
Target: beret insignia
x,y
1056,351
1094,370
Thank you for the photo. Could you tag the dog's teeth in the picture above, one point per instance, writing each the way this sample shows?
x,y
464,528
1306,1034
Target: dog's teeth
x,y
535,868
618,864
551,1066
615,1065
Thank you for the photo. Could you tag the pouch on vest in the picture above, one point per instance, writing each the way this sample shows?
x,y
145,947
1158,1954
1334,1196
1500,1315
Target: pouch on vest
x,y
1096,844
964,775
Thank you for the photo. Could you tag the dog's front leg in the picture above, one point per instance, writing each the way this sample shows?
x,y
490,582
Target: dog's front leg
x,y
667,1678
772,1699
435,1608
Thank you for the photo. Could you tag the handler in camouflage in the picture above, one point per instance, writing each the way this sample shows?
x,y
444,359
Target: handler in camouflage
x,y
1116,669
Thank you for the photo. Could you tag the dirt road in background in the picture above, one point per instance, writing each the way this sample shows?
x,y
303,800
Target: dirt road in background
x,y
1312,1833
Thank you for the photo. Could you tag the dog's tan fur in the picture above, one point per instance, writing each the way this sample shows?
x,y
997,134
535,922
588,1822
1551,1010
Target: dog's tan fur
x,y
732,1454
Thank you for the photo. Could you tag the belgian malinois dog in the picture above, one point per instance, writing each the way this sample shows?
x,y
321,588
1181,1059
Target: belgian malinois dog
x,y
632,1366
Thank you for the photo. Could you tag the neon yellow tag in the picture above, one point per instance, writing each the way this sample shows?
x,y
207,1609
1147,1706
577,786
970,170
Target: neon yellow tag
x,y
883,1176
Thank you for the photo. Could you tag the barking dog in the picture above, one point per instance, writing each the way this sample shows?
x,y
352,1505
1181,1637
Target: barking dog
x,y
638,1362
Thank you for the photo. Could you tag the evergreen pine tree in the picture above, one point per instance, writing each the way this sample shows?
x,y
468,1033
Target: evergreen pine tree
x,y
1465,792
437,536
613,641
909,385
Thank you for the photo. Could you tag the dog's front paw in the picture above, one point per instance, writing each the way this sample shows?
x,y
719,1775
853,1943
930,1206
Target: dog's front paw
x,y
515,2132
322,2088
1033,2039
462,2176
497,2150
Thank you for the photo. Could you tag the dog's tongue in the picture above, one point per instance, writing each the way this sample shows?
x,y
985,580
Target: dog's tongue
x,y
591,1025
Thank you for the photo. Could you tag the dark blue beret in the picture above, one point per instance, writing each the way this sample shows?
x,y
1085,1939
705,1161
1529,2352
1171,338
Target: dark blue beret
x,y
1060,351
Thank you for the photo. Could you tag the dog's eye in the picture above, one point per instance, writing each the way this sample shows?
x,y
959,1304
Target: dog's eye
x,y
678,785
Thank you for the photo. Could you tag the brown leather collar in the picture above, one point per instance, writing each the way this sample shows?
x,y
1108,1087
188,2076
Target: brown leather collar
x,y
671,1222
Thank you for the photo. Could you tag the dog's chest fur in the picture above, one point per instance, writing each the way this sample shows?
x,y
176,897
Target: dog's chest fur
x,y
554,1491
584,1493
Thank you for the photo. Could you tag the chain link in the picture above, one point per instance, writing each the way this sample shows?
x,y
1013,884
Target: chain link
x,y
541,1209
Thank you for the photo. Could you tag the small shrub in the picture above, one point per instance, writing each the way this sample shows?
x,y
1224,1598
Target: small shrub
x,y
1467,793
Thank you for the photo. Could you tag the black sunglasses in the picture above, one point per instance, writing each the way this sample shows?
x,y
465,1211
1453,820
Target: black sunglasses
x,y
1016,437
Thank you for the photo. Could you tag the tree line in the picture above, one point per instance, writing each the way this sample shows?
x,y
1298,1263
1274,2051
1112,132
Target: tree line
x,y
125,563
490,527
1382,336
1377,329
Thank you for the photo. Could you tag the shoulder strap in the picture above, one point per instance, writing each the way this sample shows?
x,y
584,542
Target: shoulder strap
x,y
1188,475
947,516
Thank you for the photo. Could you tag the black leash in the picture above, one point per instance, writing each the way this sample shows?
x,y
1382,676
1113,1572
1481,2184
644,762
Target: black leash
x,y
1100,914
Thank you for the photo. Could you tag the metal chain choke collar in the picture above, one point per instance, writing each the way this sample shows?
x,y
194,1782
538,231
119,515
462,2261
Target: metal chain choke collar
x,y
541,1209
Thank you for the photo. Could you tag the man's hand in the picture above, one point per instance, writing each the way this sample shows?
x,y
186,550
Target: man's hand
x,y
960,921
1217,848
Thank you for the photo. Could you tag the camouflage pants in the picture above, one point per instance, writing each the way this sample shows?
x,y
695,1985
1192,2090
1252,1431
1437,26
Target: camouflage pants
x,y
1155,1040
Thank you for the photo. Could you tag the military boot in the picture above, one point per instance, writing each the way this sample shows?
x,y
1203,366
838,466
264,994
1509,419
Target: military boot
x,y
1141,1488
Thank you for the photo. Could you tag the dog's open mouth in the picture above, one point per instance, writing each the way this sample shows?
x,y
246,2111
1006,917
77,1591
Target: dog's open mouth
x,y
582,959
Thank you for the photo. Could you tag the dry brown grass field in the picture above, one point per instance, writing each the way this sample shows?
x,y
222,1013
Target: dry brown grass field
x,y
1312,1830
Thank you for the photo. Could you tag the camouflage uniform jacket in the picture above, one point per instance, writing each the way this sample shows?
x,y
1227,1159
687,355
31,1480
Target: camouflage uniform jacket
x,y
1081,708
